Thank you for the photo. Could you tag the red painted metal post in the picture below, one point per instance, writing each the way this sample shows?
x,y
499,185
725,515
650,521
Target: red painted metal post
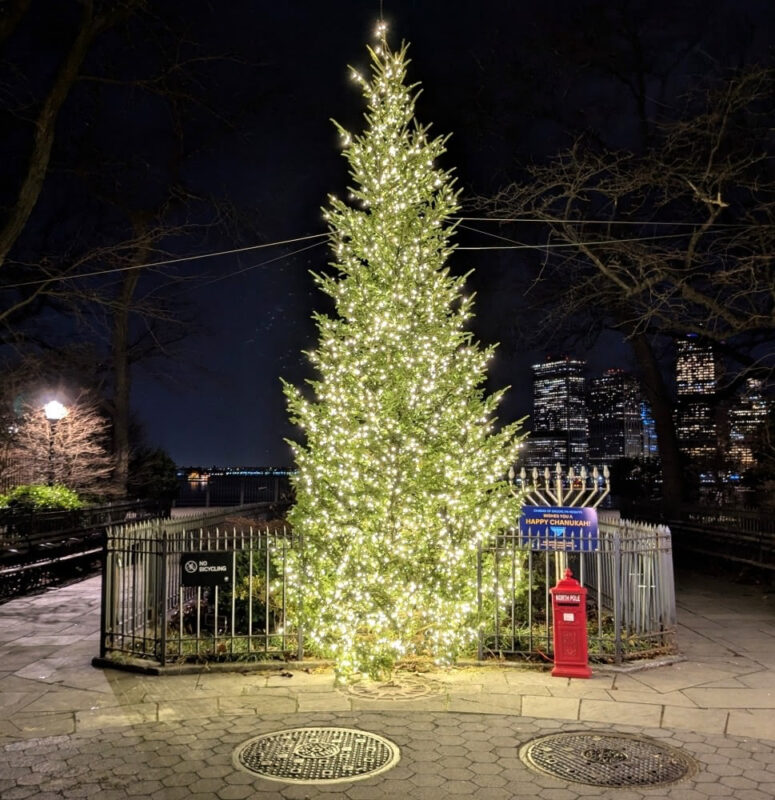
x,y
569,614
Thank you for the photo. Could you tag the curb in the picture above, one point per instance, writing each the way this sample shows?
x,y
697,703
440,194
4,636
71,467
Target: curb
x,y
192,668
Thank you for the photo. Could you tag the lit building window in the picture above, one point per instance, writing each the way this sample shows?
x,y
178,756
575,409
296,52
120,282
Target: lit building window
x,y
616,428
560,431
697,372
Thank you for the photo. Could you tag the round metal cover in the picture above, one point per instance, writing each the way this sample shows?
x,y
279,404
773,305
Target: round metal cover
x,y
400,687
317,755
602,759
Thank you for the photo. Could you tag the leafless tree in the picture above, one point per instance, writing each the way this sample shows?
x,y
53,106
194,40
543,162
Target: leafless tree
x,y
91,24
74,451
106,149
12,470
674,240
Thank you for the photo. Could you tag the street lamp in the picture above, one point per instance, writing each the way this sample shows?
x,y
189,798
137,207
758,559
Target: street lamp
x,y
54,411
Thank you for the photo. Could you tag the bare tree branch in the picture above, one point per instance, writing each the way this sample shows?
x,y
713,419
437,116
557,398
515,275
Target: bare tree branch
x,y
689,239
29,190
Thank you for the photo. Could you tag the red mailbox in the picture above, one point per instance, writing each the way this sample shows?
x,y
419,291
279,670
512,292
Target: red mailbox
x,y
569,612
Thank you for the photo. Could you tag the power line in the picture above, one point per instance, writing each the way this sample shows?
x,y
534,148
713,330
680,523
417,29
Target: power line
x,y
514,245
559,245
166,262
567,220
488,233
262,263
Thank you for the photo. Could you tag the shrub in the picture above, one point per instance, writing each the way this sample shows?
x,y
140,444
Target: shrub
x,y
39,497
153,476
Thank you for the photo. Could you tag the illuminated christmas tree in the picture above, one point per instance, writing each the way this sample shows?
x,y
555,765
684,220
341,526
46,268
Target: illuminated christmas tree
x,y
402,473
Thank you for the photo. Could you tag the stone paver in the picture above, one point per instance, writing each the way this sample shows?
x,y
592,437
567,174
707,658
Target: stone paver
x,y
732,697
68,730
752,722
623,713
146,761
551,707
696,719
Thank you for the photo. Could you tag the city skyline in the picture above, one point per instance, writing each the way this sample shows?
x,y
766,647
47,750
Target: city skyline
x,y
610,418
580,419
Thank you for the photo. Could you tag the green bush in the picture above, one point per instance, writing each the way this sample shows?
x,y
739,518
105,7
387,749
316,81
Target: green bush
x,y
39,497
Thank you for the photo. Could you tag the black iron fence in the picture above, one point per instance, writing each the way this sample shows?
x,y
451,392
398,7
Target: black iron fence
x,y
719,534
38,548
745,537
232,488
238,609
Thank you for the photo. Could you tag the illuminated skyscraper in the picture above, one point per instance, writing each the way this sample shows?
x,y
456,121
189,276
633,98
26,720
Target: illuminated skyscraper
x,y
697,374
648,432
559,414
747,418
615,424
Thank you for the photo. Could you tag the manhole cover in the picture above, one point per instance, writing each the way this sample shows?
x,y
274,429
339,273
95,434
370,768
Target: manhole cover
x,y
316,755
600,759
401,687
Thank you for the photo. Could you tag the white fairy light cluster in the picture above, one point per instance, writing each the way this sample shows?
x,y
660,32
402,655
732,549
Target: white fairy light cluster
x,y
401,474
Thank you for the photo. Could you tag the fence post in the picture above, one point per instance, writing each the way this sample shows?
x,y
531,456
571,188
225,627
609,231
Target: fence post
x,y
162,596
617,597
105,594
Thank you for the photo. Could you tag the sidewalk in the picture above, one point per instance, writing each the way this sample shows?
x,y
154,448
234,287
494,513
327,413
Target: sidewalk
x,y
70,730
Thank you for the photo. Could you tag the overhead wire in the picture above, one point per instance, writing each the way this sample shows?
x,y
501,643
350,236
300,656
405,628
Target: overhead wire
x,y
513,245
560,245
218,278
575,221
167,262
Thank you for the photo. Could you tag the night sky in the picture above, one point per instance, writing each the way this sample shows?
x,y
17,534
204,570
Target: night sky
x,y
509,80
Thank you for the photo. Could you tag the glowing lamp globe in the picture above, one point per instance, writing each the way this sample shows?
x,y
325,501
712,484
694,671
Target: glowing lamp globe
x,y
54,410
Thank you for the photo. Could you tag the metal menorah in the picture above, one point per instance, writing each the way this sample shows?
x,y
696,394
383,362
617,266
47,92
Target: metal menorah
x,y
574,489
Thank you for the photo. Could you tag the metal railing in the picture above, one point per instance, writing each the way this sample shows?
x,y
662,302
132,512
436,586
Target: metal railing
x,y
233,489
40,548
149,613
722,534
630,601
743,537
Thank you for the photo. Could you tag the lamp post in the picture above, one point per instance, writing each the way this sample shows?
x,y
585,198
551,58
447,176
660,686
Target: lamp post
x,y
54,411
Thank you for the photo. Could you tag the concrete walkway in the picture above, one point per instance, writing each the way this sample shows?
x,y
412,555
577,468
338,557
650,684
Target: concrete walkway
x,y
70,730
